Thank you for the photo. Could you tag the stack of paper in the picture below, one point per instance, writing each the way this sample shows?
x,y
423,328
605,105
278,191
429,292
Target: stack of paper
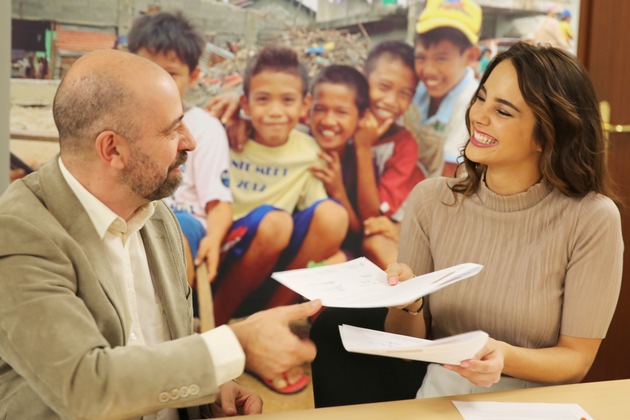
x,y
449,350
359,283
482,410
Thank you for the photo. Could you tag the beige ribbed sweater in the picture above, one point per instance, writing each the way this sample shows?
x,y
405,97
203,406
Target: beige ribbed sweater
x,y
552,264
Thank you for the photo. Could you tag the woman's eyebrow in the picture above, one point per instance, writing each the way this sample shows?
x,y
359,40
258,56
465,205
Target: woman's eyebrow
x,y
501,101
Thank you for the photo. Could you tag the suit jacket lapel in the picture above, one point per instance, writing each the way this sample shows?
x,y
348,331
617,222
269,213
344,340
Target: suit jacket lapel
x,y
67,209
166,279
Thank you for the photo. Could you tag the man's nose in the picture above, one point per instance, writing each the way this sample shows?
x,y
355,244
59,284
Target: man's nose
x,y
186,141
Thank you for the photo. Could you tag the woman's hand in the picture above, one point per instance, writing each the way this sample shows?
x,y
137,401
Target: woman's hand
x,y
405,319
398,272
485,368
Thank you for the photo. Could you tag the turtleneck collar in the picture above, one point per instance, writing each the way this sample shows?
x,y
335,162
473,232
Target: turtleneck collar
x,y
517,202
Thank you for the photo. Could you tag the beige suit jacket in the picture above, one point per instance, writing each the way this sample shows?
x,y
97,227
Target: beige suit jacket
x,y
62,329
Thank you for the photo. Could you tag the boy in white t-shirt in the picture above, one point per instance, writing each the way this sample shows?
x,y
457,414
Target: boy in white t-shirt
x,y
203,203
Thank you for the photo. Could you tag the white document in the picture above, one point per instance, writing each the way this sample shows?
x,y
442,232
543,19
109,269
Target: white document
x,y
359,283
449,350
479,410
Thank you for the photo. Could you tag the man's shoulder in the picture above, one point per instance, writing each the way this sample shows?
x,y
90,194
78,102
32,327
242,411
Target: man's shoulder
x,y
18,198
25,213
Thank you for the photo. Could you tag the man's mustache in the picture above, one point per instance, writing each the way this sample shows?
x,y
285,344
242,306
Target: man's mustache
x,y
181,159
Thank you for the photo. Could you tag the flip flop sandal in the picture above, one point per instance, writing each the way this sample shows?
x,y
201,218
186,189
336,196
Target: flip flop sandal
x,y
293,388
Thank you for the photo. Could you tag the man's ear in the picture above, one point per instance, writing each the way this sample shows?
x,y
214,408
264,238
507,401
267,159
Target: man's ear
x,y
111,148
194,75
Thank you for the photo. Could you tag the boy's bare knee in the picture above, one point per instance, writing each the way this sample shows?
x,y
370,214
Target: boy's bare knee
x,y
331,216
275,229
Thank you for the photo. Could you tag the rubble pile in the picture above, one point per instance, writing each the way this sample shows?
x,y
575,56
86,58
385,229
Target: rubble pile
x,y
316,48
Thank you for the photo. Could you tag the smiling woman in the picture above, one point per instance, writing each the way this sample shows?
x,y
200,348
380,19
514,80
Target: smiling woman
x,y
540,101
502,131
534,165
533,205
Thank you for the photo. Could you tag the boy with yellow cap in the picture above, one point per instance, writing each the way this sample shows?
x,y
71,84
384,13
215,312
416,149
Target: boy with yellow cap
x,y
447,33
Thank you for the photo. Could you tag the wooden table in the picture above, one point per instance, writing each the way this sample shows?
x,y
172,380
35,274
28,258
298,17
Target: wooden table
x,y
601,400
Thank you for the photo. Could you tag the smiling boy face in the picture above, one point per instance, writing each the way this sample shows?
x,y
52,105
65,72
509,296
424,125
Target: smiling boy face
x,y
275,105
334,115
441,66
392,86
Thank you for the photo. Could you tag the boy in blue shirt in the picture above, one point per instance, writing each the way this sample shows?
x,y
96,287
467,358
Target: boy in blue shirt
x,y
445,50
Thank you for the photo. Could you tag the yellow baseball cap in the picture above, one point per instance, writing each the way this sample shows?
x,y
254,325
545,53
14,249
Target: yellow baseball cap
x,y
463,15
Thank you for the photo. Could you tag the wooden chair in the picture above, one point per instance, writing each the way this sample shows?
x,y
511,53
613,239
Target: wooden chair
x,y
204,298
198,278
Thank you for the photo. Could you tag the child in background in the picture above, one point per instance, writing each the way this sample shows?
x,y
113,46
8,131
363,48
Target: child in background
x,y
484,60
282,216
202,203
379,165
340,99
565,25
445,49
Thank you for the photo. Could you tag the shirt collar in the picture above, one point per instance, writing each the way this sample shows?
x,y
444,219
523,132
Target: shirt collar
x,y
102,217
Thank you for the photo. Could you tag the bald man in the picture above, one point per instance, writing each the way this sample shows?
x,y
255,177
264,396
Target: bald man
x,y
95,309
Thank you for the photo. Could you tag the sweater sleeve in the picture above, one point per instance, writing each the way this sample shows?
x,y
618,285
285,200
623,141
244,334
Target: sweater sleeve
x,y
593,277
414,246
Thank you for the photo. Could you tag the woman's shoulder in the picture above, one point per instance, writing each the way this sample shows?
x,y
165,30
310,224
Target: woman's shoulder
x,y
591,203
432,189
598,205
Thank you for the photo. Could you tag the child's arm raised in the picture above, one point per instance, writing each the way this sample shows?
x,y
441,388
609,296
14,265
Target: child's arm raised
x,y
332,178
369,132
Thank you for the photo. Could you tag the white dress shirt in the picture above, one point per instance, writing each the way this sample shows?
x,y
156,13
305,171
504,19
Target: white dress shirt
x,y
143,308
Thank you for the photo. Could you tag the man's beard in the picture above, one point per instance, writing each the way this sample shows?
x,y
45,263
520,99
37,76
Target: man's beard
x,y
145,179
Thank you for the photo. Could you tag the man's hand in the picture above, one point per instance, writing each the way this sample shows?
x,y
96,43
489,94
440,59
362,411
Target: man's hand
x,y
270,346
236,400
